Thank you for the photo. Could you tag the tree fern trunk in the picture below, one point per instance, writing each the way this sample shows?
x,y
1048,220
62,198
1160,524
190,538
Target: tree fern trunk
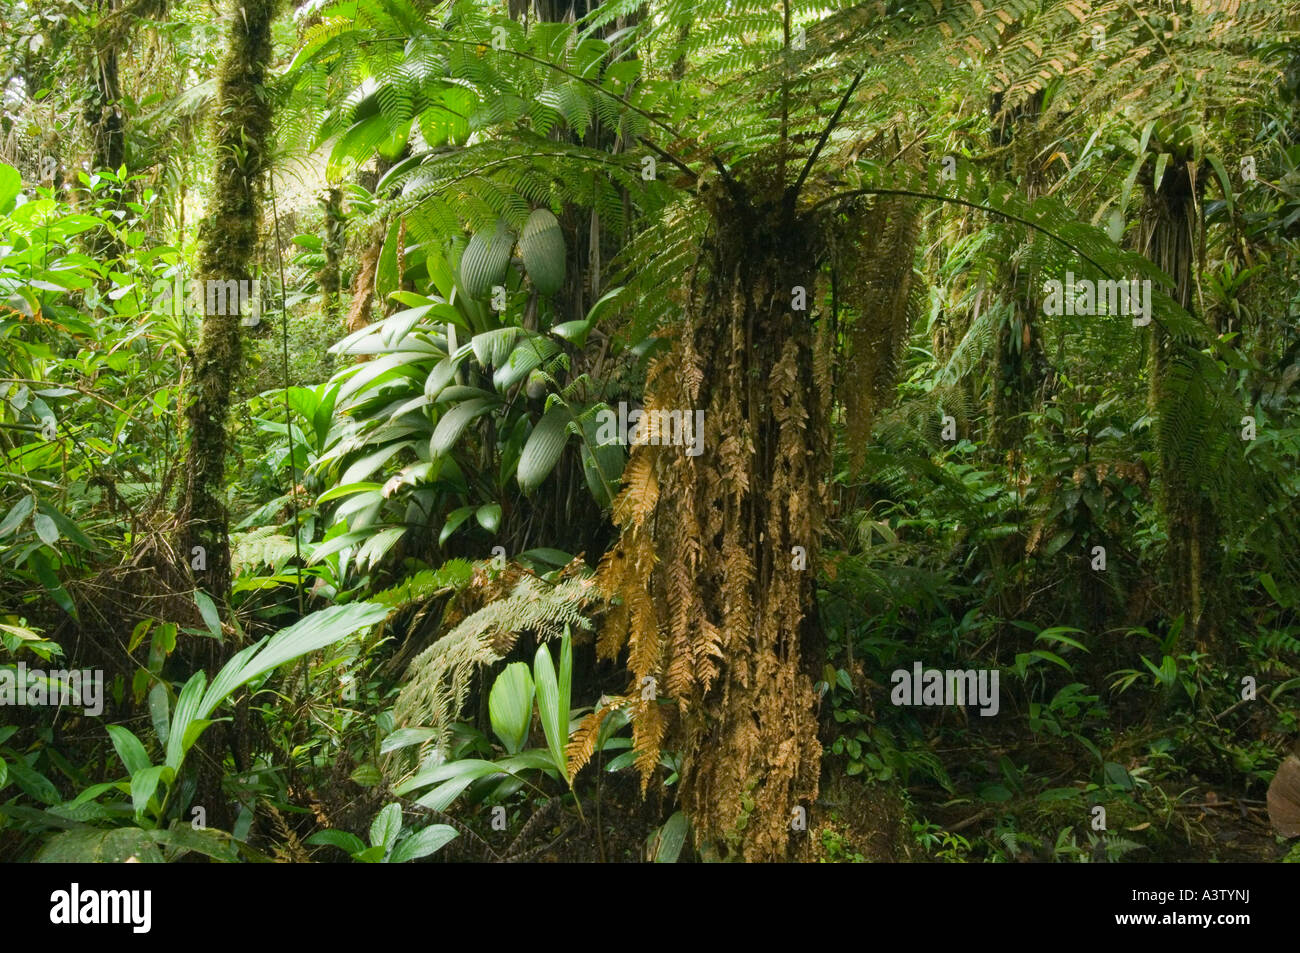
x,y
878,286
716,596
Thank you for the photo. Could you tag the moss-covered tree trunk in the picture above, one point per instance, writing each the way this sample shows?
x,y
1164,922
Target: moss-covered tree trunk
x,y
717,559
332,244
104,113
228,239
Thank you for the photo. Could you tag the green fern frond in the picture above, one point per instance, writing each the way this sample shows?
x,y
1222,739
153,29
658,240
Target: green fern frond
x,y
438,680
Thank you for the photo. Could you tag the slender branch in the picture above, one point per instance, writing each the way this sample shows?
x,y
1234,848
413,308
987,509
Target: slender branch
x,y
288,415
793,194
93,395
667,155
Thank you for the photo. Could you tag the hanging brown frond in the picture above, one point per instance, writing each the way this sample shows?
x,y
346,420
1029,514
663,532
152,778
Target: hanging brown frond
x,y
711,598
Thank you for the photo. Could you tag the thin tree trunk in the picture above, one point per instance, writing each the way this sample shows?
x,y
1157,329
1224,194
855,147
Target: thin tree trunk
x,y
228,239
1021,363
332,242
103,115
1169,240
227,247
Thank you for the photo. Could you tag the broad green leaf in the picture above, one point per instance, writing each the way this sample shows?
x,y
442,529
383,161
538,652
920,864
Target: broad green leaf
x,y
492,348
671,838
11,183
510,706
1224,180
386,826
159,712
187,706
575,332
1058,541
90,845
378,545
526,356
423,843
208,610
348,843
489,516
405,737
347,489
365,466
484,262
470,769
553,698
129,749
541,246
144,784
544,447
1127,187
32,782
1118,775
308,634
1270,586
442,374
341,542
46,529
1051,657
454,422
20,511
181,838
1162,161
454,519
1057,634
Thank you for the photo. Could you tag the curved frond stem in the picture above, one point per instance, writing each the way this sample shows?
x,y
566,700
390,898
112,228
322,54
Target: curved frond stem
x,y
913,193
793,194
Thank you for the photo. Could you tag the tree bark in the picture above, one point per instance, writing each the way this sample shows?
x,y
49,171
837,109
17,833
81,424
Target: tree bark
x,y
332,244
1169,240
103,115
228,240
717,560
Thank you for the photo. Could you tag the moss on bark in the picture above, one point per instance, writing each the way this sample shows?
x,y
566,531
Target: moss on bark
x,y
228,239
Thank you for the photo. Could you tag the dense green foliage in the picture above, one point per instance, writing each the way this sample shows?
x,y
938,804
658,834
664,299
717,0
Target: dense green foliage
x,y
460,620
